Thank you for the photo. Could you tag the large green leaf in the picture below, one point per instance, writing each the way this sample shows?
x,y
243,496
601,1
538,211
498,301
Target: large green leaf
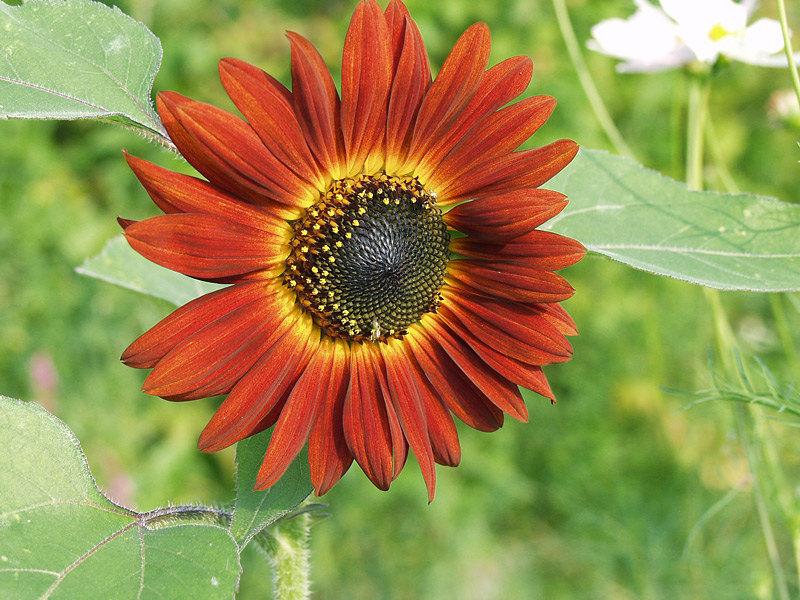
x,y
77,59
255,509
62,539
118,263
648,221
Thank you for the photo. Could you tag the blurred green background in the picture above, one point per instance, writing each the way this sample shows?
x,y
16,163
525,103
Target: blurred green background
x,y
605,495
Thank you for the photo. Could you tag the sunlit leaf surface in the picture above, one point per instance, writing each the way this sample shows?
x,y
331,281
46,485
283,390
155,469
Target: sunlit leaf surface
x,y
648,221
63,539
76,59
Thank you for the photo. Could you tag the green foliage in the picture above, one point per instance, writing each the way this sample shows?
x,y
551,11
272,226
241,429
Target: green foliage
x,y
651,222
783,400
63,539
77,59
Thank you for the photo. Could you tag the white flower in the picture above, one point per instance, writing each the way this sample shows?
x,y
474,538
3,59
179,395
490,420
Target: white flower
x,y
683,31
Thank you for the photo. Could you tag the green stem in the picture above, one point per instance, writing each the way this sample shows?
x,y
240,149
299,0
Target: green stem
x,y
742,415
699,89
784,332
586,81
715,148
286,547
698,111
744,428
787,47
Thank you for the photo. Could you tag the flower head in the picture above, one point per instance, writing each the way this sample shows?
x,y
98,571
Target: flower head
x,y
381,248
686,31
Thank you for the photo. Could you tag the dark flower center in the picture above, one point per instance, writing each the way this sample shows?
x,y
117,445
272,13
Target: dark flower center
x,y
369,258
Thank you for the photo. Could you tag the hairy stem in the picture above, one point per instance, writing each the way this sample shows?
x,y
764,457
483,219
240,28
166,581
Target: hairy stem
x,y
286,547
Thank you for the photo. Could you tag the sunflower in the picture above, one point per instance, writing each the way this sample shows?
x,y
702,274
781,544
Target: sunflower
x,y
384,267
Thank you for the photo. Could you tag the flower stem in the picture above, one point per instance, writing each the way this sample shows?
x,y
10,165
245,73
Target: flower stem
x,y
715,149
750,439
586,81
787,47
286,547
699,90
784,332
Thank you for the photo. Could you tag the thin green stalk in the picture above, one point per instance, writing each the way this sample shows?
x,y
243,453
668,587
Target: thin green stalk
x,y
715,148
784,333
742,415
586,81
751,449
796,543
787,47
699,90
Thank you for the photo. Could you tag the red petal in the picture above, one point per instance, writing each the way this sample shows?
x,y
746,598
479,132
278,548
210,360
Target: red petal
x,y
125,223
519,282
152,346
508,327
397,16
366,79
328,456
506,216
399,441
316,104
411,79
503,393
265,386
232,144
441,427
528,376
366,425
299,414
177,193
510,172
218,354
408,403
452,384
452,89
267,105
544,249
496,135
205,246
499,85
559,318
195,153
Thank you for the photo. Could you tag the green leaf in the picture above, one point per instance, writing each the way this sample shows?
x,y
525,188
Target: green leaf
x,y
256,510
648,221
62,539
77,59
117,263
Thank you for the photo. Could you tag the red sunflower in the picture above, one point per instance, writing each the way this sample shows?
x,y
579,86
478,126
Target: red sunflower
x,y
381,248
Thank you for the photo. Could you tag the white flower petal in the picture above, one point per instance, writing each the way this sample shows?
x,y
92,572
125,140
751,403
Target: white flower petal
x,y
647,40
766,35
653,39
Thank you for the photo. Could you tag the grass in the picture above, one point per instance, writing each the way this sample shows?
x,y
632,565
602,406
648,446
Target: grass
x,y
612,493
